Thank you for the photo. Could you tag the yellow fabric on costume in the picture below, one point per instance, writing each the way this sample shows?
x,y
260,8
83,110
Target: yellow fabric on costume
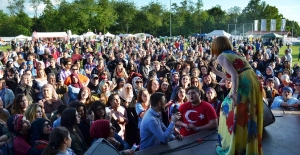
x,y
240,129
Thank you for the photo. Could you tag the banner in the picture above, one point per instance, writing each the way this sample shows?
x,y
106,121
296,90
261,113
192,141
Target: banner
x,y
255,25
283,22
273,25
263,25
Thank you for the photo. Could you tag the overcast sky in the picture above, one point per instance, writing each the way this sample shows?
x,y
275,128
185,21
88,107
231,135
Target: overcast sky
x,y
289,8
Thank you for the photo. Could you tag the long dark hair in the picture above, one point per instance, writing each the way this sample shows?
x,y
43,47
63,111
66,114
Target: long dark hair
x,y
110,99
16,108
68,119
76,105
56,139
93,108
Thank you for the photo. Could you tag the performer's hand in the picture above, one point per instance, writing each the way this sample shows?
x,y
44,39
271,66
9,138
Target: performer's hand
x,y
213,69
192,126
186,127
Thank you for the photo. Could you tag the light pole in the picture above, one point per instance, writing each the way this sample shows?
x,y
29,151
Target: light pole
x,y
170,20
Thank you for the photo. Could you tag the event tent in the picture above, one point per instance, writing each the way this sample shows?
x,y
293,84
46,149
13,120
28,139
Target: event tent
x,y
89,34
217,33
22,37
272,35
109,35
148,35
141,36
49,35
126,35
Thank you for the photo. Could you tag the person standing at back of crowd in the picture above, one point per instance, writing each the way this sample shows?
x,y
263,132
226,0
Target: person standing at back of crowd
x,y
241,113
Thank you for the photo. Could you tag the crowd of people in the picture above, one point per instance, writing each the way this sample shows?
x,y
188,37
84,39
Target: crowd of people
x,y
59,98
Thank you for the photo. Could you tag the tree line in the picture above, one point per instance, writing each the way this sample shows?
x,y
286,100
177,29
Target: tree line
x,y
123,16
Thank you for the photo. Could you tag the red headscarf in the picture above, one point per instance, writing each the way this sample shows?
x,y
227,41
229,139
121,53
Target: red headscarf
x,y
78,84
100,129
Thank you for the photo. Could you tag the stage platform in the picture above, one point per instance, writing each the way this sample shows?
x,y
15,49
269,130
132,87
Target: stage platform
x,y
280,138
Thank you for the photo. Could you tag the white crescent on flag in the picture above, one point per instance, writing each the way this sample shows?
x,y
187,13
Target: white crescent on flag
x,y
187,116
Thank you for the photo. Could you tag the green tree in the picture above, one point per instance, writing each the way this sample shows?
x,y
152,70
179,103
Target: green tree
x,y
152,16
234,13
219,16
48,21
104,17
126,11
23,24
252,11
16,6
293,27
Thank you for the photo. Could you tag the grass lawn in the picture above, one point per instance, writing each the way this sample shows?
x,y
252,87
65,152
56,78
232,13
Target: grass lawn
x,y
3,48
295,53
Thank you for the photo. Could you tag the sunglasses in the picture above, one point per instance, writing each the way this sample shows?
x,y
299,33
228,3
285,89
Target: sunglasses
x,y
74,69
139,82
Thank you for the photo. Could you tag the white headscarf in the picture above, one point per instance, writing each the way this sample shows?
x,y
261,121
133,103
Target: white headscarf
x,y
123,94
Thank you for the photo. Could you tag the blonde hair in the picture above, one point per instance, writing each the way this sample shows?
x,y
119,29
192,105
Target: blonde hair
x,y
54,94
30,112
285,77
38,74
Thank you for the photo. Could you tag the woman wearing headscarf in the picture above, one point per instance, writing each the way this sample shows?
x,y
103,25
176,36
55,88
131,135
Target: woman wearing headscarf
x,y
74,87
137,84
40,129
270,74
21,127
128,102
104,91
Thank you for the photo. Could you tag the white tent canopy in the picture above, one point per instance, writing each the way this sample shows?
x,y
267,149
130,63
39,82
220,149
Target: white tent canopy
x,y
141,36
109,35
217,33
22,37
49,35
88,34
